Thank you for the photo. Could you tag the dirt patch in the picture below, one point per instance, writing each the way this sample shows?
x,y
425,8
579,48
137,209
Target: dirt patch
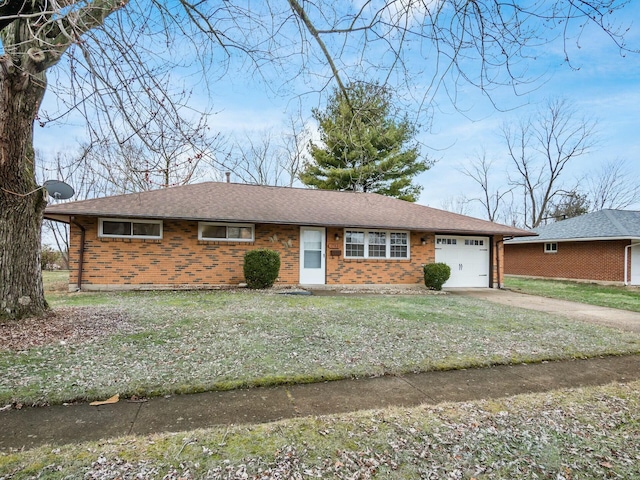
x,y
64,326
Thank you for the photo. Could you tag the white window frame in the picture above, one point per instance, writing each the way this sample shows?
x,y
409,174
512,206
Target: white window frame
x,y
549,247
446,241
201,226
101,233
387,244
474,242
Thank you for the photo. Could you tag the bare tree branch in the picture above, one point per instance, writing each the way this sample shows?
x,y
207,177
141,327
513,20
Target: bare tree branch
x,y
613,186
480,172
540,148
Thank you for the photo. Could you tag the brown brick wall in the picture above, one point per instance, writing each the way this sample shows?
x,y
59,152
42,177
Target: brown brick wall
x,y
497,262
347,271
180,259
595,260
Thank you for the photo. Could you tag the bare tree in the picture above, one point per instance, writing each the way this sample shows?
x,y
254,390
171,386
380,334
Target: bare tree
x,y
613,186
266,157
456,204
115,57
540,148
255,158
159,157
480,171
73,168
296,140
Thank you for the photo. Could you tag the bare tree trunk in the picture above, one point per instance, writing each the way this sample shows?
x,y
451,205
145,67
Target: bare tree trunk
x,y
21,203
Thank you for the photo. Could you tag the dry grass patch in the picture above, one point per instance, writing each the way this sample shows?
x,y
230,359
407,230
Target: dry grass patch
x,y
178,342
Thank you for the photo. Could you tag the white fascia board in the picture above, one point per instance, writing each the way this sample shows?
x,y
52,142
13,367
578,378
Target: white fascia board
x,y
560,240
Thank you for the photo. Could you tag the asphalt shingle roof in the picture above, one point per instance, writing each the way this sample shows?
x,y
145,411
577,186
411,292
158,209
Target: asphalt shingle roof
x,y
233,202
597,225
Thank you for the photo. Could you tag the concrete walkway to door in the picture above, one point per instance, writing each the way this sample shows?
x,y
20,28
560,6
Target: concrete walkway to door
x,y
611,317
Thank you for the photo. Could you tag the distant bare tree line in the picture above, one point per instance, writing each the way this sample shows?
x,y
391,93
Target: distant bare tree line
x,y
535,187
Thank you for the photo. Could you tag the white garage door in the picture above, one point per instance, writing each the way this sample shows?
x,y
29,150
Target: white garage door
x,y
468,258
635,265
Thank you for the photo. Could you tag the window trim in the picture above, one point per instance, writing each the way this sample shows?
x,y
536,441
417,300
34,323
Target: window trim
x,y
548,247
201,226
101,233
366,244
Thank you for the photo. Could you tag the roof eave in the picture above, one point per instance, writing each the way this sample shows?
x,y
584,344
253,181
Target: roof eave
x,y
578,239
65,217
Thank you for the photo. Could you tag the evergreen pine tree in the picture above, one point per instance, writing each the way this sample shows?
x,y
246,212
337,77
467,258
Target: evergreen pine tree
x,y
364,148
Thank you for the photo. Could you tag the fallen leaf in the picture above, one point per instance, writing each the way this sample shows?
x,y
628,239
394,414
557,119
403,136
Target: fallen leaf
x,y
113,399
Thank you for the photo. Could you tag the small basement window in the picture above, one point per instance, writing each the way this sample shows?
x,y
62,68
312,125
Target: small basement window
x,y
128,228
226,232
551,247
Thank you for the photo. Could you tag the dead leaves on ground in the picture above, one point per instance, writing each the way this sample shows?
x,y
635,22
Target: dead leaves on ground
x,y
63,325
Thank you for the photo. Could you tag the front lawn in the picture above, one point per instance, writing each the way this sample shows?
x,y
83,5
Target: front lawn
x,y
154,343
590,433
626,298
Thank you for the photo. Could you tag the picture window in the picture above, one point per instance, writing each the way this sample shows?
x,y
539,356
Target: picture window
x,y
376,244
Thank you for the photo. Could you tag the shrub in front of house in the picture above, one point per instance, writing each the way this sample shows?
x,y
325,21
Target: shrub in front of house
x,y
261,268
49,258
436,274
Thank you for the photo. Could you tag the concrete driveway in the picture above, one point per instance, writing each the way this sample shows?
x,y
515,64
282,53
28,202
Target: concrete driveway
x,y
611,317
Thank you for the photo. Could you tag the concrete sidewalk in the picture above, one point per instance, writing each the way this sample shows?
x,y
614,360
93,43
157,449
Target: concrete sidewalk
x,y
61,424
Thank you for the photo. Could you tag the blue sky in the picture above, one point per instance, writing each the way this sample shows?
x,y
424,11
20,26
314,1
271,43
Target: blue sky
x,y
602,85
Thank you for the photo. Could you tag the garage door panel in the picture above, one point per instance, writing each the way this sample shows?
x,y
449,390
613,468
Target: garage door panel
x,y
468,258
635,265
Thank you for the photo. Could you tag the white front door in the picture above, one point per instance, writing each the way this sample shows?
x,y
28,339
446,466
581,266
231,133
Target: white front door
x,y
312,256
635,265
468,258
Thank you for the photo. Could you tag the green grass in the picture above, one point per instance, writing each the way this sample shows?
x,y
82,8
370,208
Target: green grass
x,y
626,298
196,341
589,433
56,281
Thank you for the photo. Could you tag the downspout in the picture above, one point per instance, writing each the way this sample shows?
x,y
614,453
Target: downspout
x,y
83,232
626,261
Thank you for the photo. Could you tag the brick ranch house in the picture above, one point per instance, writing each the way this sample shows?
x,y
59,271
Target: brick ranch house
x,y
195,236
600,246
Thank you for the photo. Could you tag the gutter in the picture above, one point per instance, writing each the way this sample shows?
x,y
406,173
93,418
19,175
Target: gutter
x,y
626,262
83,232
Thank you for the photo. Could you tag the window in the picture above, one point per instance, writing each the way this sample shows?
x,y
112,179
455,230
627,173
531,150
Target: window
x,y
126,228
228,232
399,245
376,244
354,244
474,242
446,241
551,247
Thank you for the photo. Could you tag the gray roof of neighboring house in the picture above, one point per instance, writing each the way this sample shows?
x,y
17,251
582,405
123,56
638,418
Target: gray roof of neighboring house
x,y
602,225
234,202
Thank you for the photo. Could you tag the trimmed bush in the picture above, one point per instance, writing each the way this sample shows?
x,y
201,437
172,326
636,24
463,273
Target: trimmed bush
x,y
436,274
261,268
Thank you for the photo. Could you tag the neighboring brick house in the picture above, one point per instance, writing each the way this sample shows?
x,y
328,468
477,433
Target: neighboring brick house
x,y
195,236
601,246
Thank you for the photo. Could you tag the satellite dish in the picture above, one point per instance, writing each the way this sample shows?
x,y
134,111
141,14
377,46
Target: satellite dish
x,y
58,189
